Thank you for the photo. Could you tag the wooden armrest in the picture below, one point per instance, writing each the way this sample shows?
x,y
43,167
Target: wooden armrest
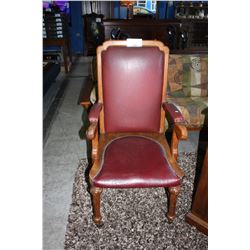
x,y
84,98
93,118
95,112
181,131
173,114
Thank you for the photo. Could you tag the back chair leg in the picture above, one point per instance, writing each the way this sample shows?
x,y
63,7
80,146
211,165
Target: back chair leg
x,y
173,193
96,195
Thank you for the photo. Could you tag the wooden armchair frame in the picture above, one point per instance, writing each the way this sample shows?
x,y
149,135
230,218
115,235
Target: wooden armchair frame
x,y
99,138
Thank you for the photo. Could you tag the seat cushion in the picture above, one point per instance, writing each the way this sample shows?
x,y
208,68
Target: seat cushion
x,y
135,161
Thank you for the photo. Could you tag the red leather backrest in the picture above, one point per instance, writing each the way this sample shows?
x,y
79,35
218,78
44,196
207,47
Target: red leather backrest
x,y
132,88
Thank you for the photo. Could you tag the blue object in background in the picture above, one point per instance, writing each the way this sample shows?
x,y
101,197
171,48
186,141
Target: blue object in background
x,y
170,10
148,4
117,9
162,5
123,12
76,27
165,9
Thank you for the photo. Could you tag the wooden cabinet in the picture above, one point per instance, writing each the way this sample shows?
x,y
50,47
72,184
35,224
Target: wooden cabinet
x,y
197,32
198,215
181,36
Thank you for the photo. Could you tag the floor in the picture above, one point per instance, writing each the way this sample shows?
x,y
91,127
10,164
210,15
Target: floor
x,y
63,147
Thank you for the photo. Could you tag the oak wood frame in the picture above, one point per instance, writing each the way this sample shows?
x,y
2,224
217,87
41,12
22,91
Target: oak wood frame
x,y
92,134
179,133
99,142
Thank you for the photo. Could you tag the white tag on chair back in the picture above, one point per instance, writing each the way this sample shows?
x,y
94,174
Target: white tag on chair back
x,y
134,42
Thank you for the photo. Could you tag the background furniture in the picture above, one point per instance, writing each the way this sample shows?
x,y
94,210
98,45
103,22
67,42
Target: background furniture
x,y
55,25
50,72
64,43
198,216
188,87
94,32
131,150
181,36
191,10
55,33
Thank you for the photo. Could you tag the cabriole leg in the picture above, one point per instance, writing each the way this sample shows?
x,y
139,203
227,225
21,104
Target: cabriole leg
x,y
96,201
173,193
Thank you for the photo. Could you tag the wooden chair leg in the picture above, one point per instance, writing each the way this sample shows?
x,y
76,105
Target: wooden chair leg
x,y
96,195
173,193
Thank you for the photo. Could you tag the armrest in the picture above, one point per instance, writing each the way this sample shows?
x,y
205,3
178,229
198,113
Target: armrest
x,y
93,118
177,118
95,112
173,113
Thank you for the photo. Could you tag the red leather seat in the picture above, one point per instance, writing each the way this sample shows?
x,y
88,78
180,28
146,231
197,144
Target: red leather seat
x,y
135,162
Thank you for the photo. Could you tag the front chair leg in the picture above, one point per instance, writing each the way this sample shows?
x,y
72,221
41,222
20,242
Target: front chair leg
x,y
96,195
173,193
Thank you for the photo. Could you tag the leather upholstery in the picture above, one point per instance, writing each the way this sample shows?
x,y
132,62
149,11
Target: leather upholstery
x,y
132,88
174,114
95,112
135,162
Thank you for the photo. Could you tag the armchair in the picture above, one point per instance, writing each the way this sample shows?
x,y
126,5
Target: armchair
x,y
129,148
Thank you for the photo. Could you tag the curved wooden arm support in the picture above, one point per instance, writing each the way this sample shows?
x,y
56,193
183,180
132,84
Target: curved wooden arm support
x,y
92,134
92,131
179,131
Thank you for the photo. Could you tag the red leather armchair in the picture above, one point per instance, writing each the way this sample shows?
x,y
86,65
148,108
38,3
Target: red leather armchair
x,y
129,148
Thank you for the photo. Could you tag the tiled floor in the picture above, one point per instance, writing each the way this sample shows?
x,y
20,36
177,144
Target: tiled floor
x,y
63,148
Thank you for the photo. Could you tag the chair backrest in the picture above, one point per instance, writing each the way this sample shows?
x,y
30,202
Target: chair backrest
x,y
131,86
